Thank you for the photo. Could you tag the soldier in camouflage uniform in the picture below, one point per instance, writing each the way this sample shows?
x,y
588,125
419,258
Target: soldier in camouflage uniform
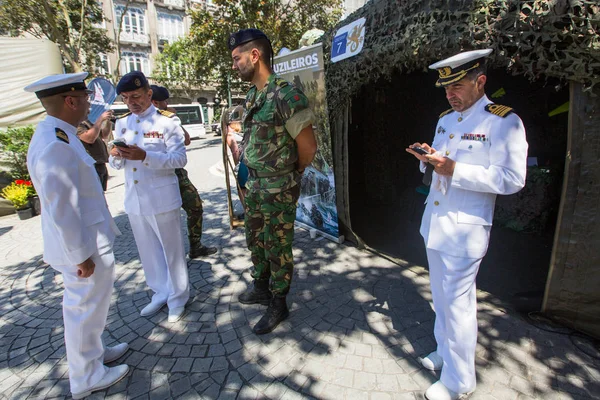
x,y
191,201
278,144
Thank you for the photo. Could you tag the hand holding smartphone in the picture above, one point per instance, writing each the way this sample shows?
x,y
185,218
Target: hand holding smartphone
x,y
419,150
120,143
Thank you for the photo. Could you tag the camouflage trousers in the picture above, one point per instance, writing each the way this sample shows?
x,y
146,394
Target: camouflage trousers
x,y
192,204
269,222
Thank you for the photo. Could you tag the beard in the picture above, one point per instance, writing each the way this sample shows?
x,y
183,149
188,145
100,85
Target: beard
x,y
247,72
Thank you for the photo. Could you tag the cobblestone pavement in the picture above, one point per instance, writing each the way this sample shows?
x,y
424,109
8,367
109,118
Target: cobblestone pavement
x,y
357,326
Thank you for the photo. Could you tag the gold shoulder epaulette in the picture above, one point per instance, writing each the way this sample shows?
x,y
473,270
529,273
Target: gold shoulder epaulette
x,y
166,113
127,114
446,112
61,135
497,109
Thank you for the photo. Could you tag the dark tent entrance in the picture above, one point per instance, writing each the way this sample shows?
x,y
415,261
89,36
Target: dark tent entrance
x,y
386,196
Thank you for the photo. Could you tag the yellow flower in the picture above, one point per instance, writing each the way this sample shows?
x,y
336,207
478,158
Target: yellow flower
x,y
18,195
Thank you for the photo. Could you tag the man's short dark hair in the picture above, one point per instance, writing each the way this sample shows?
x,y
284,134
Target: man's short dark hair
x,y
263,46
477,72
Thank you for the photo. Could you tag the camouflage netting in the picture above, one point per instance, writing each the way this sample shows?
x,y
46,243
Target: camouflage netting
x,y
537,38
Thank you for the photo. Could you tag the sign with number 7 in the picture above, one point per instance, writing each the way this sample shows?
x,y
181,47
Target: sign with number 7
x,y
348,40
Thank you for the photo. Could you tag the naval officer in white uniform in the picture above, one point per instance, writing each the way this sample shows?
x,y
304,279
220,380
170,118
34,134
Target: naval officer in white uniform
x,y
78,230
155,147
479,151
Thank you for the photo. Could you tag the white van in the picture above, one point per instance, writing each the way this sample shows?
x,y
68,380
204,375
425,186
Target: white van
x,y
191,116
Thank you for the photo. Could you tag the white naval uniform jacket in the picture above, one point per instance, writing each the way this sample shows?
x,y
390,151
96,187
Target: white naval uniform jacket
x,y
151,186
495,162
75,218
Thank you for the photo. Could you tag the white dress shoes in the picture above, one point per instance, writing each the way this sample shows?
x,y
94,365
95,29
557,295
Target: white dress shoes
x,y
175,313
115,352
152,308
433,361
438,391
114,375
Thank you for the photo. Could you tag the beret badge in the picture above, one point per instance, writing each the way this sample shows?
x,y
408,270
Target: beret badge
x,y
232,40
137,82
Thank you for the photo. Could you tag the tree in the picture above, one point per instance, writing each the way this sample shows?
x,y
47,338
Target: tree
x,y
205,54
176,67
74,25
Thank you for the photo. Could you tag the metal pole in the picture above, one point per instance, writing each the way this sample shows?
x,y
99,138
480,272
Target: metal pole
x,y
229,89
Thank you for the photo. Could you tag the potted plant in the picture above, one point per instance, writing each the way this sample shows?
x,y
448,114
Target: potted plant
x,y
18,195
34,200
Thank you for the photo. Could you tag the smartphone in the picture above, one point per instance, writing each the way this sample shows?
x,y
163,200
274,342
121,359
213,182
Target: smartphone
x,y
420,150
119,143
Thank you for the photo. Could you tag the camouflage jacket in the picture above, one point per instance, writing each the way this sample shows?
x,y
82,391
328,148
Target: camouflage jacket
x,y
272,119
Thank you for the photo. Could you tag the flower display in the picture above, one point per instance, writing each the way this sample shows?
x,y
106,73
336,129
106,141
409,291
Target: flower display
x,y
18,193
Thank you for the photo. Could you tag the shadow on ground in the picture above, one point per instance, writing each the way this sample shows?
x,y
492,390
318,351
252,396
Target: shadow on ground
x,y
357,325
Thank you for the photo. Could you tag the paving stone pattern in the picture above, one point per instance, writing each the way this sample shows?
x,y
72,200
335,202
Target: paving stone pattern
x,y
357,326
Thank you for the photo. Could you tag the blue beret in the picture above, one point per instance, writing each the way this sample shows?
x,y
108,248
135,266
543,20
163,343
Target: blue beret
x,y
159,93
244,36
132,81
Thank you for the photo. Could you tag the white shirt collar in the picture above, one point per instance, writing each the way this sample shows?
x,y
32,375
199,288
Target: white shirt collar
x,y
59,123
479,104
147,112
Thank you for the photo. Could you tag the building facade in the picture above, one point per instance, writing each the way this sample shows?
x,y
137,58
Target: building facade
x,y
146,26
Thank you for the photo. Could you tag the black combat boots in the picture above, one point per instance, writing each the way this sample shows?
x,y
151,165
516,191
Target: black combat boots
x,y
199,250
260,294
277,312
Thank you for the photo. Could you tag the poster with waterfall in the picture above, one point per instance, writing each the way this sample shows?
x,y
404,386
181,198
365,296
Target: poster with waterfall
x,y
316,207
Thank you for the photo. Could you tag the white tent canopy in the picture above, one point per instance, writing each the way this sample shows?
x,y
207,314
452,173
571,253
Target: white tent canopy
x,y
23,61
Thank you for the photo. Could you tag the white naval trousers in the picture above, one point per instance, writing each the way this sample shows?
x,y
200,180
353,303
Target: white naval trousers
x,y
455,302
85,309
160,244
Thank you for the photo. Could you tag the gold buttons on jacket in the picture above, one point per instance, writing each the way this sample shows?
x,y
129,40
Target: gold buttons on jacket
x,y
436,203
136,132
459,119
145,163
447,152
137,120
137,182
452,136
134,169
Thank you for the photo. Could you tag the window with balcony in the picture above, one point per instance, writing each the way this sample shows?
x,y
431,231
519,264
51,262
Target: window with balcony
x,y
133,27
170,27
135,62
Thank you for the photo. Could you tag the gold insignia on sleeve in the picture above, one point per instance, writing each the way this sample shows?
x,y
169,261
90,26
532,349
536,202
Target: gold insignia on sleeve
x,y
61,135
499,110
446,112
166,113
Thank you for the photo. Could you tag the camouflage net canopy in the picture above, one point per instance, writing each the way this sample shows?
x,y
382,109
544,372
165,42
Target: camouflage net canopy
x,y
537,38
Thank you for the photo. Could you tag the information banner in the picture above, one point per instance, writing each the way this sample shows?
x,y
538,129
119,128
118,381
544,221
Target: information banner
x,y
104,95
316,207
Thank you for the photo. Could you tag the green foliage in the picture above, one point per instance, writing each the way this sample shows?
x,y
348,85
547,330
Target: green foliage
x,y
17,194
175,67
205,55
535,38
68,23
14,143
